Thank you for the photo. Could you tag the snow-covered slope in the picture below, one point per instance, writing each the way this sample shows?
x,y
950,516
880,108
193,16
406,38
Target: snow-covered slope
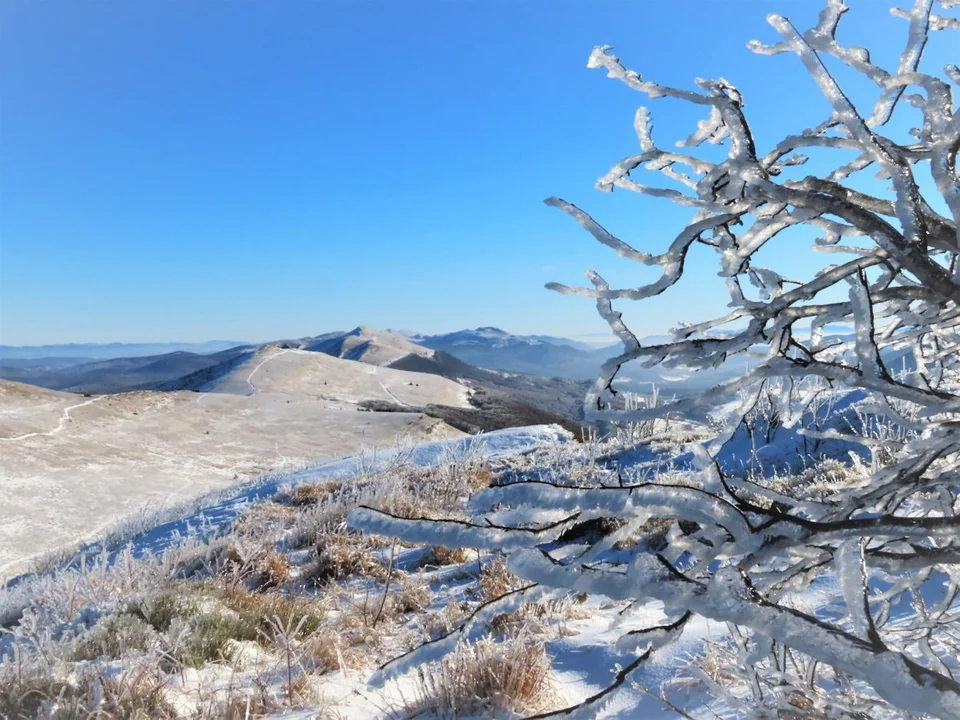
x,y
365,344
72,465
315,374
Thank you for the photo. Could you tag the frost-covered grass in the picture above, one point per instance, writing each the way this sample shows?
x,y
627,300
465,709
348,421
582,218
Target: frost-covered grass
x,y
285,608
288,609
487,678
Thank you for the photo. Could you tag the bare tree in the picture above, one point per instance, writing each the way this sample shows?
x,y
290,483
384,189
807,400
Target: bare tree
x,y
889,538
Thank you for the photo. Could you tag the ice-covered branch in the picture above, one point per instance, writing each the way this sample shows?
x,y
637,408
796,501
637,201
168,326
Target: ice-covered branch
x,y
859,352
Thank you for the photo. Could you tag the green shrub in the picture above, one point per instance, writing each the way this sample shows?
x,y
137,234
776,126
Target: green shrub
x,y
112,638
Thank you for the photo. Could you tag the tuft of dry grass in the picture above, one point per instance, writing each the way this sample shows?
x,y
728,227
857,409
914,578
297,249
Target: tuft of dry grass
x,y
480,477
312,493
442,622
273,572
441,556
351,638
262,518
256,563
333,649
487,679
496,579
242,706
340,555
414,595
540,618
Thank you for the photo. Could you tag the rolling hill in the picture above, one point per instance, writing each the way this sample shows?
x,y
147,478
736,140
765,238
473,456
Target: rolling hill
x,y
376,347
73,466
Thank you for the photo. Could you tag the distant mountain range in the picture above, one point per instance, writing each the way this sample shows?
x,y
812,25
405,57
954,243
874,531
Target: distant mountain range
x,y
120,374
549,372
486,347
84,352
494,349
499,397
496,338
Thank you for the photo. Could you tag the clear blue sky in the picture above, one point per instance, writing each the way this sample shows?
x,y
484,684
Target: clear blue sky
x,y
245,169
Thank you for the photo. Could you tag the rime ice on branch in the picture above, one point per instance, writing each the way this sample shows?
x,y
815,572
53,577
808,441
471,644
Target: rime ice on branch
x,y
890,535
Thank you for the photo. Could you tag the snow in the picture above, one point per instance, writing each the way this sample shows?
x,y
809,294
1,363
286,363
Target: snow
x,y
215,511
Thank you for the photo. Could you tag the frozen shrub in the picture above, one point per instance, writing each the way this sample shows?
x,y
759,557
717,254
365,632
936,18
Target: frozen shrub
x,y
413,595
312,493
134,692
440,623
114,637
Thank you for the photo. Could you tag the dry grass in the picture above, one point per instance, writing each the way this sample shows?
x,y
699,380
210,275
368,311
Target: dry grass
x,y
541,618
352,637
133,693
274,571
195,623
339,555
442,622
253,562
414,595
333,649
487,679
480,477
440,556
496,579
239,706
243,584
263,518
312,493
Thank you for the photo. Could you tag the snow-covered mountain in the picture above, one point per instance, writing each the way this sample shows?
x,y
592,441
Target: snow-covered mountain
x,y
365,344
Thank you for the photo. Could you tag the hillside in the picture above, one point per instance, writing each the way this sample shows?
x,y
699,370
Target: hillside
x,y
351,606
364,344
314,374
559,397
74,465
498,399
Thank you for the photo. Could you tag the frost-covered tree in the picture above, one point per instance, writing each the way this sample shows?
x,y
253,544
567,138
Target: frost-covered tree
x,y
884,204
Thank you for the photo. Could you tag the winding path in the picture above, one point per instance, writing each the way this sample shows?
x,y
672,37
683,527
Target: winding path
x,y
64,419
260,365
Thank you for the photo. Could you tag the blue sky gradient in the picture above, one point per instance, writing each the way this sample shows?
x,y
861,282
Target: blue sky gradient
x,y
190,169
